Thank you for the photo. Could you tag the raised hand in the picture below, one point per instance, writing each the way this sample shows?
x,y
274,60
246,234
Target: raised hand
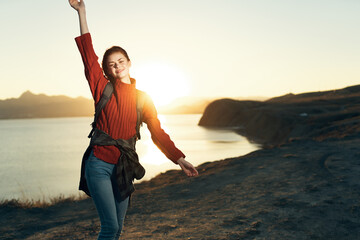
x,y
77,5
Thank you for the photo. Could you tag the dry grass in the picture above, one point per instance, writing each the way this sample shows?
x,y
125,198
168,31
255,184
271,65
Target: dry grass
x,y
41,203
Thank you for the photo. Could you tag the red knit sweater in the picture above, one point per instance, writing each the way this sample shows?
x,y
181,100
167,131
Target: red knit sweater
x,y
118,118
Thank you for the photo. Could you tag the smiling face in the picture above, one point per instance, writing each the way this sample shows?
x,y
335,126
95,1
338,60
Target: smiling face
x,y
118,66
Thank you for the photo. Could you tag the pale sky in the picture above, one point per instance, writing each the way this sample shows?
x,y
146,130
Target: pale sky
x,y
212,48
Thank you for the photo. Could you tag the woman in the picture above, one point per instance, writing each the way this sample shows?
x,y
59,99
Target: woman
x,y
118,120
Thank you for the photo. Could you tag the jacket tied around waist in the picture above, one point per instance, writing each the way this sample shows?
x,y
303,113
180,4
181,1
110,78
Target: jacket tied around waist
x,y
128,167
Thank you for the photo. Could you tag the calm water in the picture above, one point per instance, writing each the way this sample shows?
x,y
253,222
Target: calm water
x,y
41,158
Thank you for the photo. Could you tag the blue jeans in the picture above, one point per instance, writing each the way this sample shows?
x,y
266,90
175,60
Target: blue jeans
x,y
101,181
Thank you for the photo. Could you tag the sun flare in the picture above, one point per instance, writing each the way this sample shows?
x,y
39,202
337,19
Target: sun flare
x,y
163,82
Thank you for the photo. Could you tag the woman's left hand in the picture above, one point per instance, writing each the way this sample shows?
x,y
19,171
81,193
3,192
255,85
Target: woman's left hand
x,y
187,167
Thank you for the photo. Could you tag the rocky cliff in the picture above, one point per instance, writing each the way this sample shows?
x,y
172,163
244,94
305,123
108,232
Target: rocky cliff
x,y
315,115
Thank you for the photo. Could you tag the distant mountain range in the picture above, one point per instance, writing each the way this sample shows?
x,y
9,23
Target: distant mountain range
x,y
30,105
195,105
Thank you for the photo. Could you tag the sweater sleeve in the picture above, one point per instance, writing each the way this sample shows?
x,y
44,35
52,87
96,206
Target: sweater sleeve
x,y
160,138
93,71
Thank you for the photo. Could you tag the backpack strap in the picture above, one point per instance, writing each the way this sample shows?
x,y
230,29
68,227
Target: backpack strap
x,y
105,97
140,101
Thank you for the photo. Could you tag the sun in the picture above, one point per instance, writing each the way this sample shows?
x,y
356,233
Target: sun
x,y
162,81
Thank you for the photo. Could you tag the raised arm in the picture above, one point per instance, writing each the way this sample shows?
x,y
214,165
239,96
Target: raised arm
x,y
93,70
79,6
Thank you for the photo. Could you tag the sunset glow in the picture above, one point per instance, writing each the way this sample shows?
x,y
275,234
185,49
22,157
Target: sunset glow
x,y
162,81
150,154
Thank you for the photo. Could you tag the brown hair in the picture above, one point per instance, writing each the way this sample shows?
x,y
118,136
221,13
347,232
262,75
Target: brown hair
x,y
107,53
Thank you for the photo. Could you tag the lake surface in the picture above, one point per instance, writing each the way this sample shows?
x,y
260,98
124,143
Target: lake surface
x,y
41,158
